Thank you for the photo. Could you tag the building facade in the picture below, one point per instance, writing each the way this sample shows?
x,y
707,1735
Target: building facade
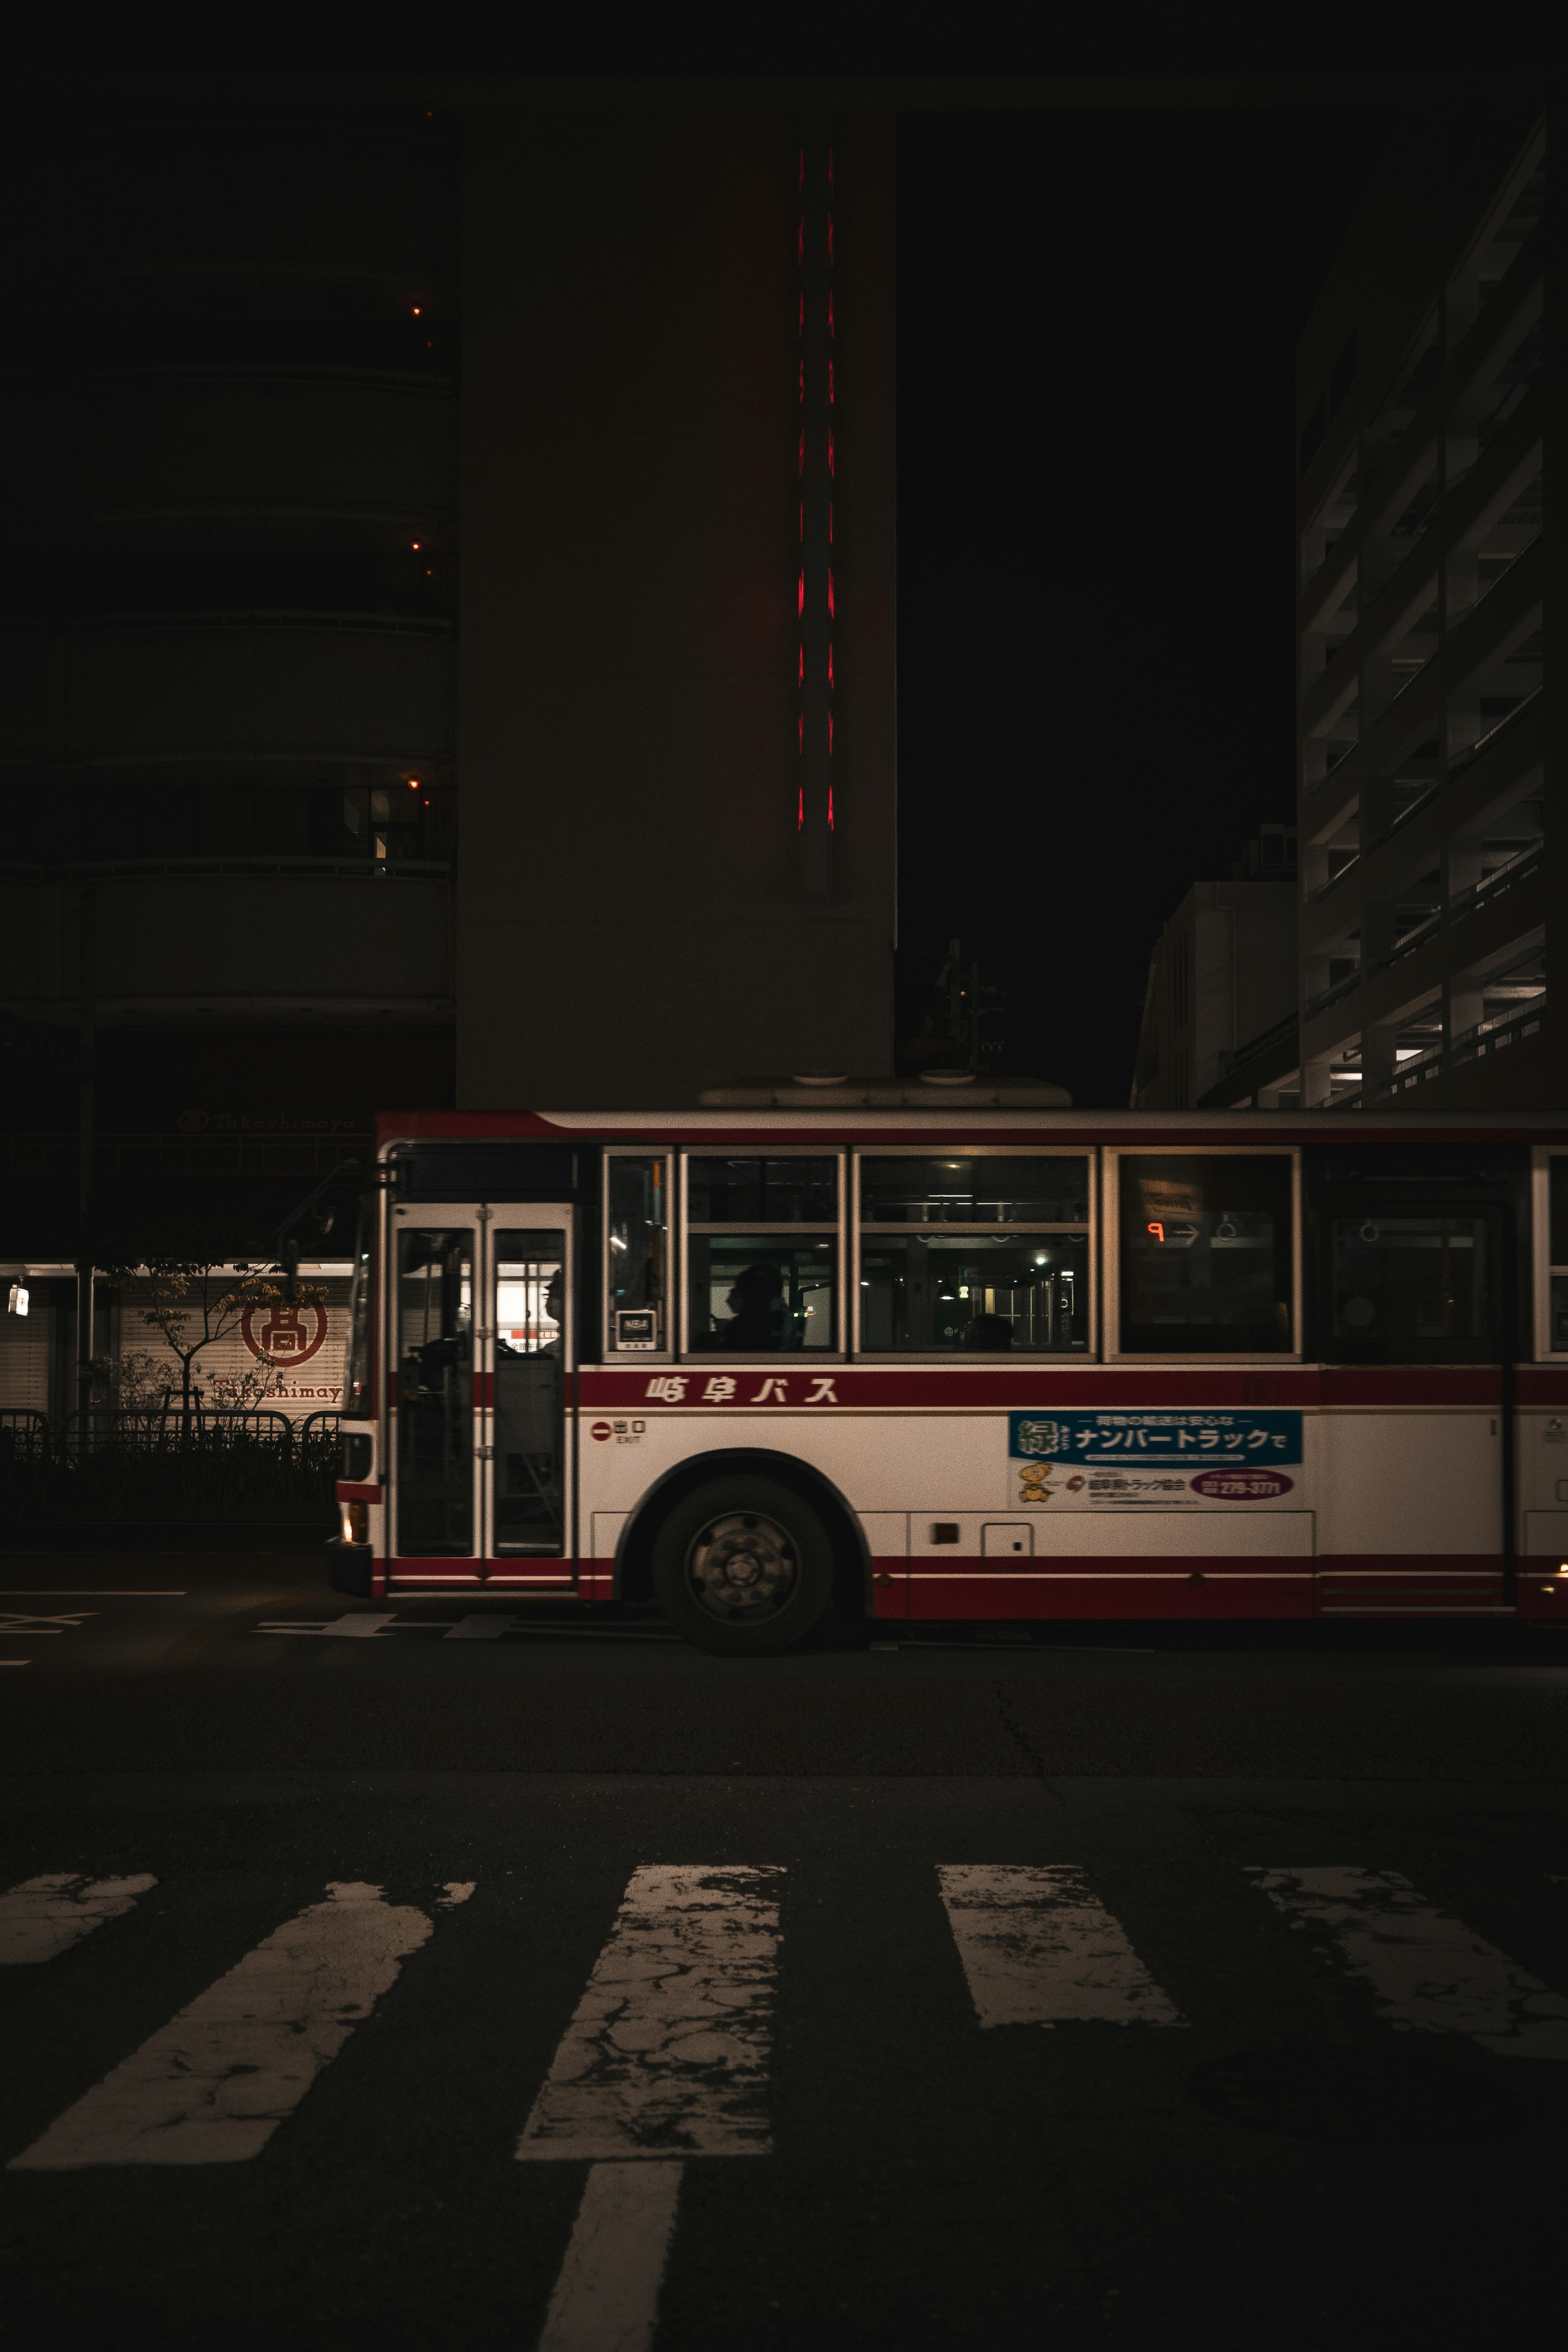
x,y
449,632
228,905
1432,824
1222,977
676,687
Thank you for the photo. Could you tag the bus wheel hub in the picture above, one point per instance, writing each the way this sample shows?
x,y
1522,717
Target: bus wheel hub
x,y
742,1564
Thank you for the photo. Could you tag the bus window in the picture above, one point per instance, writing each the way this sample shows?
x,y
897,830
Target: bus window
x,y
435,1391
1206,1263
983,1292
758,1294
770,1288
986,1189
793,1190
637,1241
988,1291
1414,1288
530,1388
1557,1313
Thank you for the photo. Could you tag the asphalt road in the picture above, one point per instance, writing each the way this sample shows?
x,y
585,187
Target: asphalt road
x,y
1267,2048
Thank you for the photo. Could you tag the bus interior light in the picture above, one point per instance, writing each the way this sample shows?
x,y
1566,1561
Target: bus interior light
x,y
17,1302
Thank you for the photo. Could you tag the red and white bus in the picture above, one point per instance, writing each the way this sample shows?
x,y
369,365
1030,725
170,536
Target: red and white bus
x,y
906,1354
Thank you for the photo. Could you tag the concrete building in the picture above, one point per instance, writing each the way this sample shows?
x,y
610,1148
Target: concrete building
x,y
1222,979
449,641
1433,822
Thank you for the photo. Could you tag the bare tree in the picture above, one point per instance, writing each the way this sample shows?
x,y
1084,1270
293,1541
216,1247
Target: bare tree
x,y
195,1305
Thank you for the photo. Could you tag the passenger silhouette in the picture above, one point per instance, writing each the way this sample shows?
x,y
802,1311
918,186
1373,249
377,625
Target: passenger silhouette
x,y
987,1331
756,1309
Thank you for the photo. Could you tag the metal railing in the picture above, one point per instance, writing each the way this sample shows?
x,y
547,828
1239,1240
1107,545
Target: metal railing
x,y
1315,898
169,1462
1467,901
156,1428
1327,996
1493,1036
24,1434
1517,868
1472,751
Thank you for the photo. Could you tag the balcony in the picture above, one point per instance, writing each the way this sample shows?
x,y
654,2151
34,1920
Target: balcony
x,y
1488,1038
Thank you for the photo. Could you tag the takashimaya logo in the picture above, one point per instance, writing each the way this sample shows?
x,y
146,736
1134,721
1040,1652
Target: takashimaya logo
x,y
289,1336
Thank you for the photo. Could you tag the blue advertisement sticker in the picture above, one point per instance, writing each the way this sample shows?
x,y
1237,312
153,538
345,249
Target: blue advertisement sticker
x,y
1198,1439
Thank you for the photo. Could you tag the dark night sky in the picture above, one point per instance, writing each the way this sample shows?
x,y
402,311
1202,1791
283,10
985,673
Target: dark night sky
x,y
1097,321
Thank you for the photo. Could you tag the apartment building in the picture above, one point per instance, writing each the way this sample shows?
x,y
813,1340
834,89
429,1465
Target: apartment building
x,y
1431,805
1220,1003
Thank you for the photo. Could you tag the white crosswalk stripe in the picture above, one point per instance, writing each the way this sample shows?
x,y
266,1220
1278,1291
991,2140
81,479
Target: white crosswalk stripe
x,y
606,2296
668,2053
44,1917
665,2057
1429,1972
213,2085
1039,1950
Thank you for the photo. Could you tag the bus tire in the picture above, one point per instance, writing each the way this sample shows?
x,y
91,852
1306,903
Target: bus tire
x,y
743,1567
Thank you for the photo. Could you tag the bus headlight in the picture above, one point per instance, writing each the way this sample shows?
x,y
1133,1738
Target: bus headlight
x,y
356,1522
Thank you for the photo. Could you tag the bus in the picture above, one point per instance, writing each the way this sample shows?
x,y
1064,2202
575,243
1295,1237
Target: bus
x,y
905,1354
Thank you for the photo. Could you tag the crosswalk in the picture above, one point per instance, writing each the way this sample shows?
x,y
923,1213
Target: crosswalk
x,y
668,2053
1039,1950
1427,1971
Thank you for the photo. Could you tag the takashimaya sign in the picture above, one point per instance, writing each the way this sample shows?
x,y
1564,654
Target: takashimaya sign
x,y
286,1336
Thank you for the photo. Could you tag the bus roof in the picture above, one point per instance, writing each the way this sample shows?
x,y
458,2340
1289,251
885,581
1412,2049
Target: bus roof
x,y
960,1120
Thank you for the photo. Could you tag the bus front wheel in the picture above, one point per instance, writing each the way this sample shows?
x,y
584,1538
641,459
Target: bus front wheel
x,y
743,1567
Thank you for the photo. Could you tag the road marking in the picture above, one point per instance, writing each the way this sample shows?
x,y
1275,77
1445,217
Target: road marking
x,y
359,1624
666,2053
213,2085
456,1891
607,2297
1429,1972
1038,1950
43,1917
59,1621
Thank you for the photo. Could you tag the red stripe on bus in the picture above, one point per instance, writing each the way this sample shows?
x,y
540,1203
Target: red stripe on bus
x,y
1109,1386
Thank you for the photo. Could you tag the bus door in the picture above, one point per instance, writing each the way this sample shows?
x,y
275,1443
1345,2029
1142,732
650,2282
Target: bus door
x,y
527,1349
434,1434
